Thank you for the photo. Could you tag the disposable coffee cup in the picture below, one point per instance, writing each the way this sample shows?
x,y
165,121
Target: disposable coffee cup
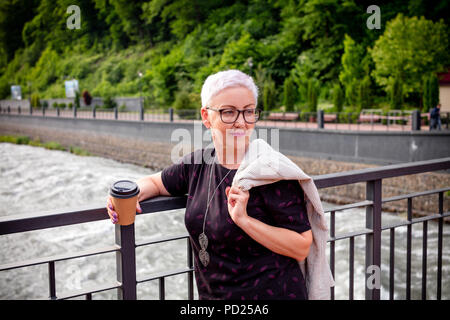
x,y
124,195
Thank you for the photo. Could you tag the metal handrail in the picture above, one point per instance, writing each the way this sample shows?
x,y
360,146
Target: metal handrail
x,y
294,119
125,240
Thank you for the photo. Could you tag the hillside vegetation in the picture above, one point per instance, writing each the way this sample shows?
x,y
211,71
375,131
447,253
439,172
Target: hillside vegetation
x,y
297,51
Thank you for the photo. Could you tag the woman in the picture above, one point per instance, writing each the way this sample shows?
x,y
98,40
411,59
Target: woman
x,y
246,244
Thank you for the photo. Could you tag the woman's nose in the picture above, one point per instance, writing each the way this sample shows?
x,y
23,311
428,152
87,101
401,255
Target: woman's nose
x,y
240,121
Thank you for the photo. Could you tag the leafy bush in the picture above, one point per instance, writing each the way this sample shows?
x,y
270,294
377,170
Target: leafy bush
x,y
35,101
185,105
312,95
289,94
338,97
269,94
109,103
77,99
53,146
396,94
430,92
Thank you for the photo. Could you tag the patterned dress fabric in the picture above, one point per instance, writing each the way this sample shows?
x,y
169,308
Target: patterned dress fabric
x,y
240,268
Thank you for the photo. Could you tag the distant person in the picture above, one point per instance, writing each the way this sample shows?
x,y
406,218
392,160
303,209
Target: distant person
x,y
435,118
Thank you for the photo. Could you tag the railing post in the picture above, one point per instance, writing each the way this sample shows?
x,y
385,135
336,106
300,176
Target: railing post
x,y
116,114
320,119
93,112
75,111
141,111
373,241
171,114
126,262
416,120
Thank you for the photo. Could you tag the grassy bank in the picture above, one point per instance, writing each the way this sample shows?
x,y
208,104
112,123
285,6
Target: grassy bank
x,y
51,145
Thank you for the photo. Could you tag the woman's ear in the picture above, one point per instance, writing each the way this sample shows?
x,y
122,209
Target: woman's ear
x,y
205,119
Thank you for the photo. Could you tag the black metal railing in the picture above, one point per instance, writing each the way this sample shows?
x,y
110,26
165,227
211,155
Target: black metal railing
x,y
366,120
125,243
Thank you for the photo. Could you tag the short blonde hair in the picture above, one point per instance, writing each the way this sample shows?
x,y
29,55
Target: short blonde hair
x,y
227,79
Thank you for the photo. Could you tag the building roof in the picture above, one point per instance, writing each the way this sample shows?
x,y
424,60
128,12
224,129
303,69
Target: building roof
x,y
444,77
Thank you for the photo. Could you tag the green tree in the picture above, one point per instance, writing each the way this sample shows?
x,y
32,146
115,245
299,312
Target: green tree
x,y
431,92
396,93
312,95
13,16
364,93
338,97
288,94
353,70
269,94
409,49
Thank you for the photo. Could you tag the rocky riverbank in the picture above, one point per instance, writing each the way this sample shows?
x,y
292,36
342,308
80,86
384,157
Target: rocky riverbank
x,y
158,155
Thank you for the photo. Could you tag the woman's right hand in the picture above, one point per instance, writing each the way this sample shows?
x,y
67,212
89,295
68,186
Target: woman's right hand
x,y
113,214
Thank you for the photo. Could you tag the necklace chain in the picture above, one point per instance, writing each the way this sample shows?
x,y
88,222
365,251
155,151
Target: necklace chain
x,y
203,239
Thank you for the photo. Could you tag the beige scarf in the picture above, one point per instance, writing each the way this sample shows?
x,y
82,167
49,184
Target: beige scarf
x,y
263,165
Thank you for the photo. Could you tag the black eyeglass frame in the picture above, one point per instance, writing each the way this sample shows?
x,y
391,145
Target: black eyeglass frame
x,y
257,112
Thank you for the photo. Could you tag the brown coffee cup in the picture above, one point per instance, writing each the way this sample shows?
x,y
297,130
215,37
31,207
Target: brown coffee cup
x,y
124,195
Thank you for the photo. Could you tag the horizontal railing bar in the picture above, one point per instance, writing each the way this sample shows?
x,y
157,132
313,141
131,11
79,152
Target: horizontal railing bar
x,y
351,206
416,220
162,239
350,235
415,194
29,222
165,274
389,171
401,224
61,257
89,290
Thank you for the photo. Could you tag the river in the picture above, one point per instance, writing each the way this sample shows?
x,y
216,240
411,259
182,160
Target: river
x,y
37,180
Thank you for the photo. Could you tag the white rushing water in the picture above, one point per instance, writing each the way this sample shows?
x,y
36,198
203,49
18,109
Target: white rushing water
x,y
37,180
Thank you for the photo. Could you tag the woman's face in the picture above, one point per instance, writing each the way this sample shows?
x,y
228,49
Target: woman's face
x,y
231,137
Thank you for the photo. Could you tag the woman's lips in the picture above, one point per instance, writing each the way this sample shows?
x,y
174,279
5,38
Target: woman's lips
x,y
237,133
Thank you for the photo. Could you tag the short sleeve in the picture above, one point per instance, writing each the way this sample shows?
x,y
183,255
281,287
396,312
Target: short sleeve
x,y
175,178
286,203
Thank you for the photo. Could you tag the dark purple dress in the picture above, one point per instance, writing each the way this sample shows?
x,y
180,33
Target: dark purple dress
x,y
240,268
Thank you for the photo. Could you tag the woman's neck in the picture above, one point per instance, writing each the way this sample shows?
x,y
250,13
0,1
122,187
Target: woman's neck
x,y
229,158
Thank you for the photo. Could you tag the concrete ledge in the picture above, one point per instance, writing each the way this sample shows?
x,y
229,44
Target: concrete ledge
x,y
352,146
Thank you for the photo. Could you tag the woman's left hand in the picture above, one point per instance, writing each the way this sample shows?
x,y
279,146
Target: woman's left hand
x,y
237,204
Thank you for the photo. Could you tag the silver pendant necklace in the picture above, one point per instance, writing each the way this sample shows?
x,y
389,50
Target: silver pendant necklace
x,y
202,238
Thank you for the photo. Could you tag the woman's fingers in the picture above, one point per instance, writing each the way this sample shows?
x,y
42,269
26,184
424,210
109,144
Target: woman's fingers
x,y
138,207
234,197
112,214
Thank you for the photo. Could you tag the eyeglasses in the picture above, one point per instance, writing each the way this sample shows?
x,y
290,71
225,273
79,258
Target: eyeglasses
x,y
229,114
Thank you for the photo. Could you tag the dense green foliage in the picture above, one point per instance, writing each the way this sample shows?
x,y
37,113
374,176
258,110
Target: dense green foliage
x,y
296,50
431,92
